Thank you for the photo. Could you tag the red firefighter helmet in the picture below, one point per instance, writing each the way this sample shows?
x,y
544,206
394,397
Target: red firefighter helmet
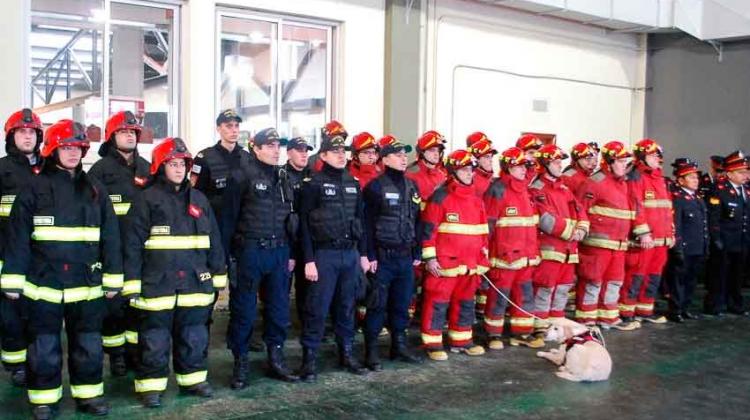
x,y
64,133
513,156
123,120
458,159
475,137
481,148
362,141
647,147
24,118
615,150
529,142
584,150
170,148
334,128
430,139
548,153
684,166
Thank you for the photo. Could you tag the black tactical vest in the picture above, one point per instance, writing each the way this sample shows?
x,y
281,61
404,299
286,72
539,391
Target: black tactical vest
x,y
396,223
335,220
266,203
222,174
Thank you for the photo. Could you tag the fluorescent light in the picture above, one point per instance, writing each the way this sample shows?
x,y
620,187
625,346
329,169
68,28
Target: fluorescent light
x,y
98,15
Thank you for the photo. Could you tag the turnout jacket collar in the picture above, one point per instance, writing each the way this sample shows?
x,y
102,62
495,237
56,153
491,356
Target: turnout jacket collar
x,y
517,185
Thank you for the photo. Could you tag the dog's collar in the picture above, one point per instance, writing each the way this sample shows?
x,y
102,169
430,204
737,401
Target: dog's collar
x,y
582,338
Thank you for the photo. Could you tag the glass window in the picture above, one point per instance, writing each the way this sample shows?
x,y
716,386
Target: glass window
x,y
275,72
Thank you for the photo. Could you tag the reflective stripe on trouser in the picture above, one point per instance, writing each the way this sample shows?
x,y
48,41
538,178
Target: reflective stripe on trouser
x,y
13,336
181,332
517,285
113,329
600,274
452,297
648,265
83,323
552,281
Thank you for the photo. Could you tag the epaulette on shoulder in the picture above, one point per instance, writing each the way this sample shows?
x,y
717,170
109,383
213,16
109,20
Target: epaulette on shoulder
x,y
570,171
597,176
538,184
496,189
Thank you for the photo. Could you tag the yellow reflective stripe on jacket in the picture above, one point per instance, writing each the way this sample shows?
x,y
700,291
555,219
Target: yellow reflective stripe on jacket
x,y
428,252
220,281
480,269
163,303
463,229
613,213
131,287
606,243
45,396
131,337
454,272
570,226
113,281
641,230
551,255
71,295
6,203
12,281
515,265
87,391
657,204
148,385
110,341
517,221
121,209
14,356
584,224
65,234
190,379
178,242
195,299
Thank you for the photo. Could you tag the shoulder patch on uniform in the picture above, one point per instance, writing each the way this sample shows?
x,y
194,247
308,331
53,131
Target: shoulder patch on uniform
x,y
714,201
196,169
570,172
199,155
598,176
537,184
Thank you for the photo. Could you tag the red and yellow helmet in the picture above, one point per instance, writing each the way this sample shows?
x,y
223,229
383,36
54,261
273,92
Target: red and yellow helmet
x,y
334,128
529,142
170,148
647,147
482,147
475,137
584,150
430,139
458,159
64,133
24,118
362,141
615,150
684,166
548,153
123,120
513,156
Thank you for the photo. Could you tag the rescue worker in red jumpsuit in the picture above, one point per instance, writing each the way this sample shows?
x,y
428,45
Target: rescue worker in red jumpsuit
x,y
584,160
644,264
332,129
454,249
482,150
428,172
530,143
562,225
364,165
514,252
124,173
23,137
174,264
65,259
601,270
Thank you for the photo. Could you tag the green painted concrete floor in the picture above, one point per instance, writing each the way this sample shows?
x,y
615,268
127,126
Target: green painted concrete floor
x,y
696,370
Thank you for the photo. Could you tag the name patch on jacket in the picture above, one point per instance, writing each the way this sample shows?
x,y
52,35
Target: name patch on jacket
x,y
351,190
451,217
160,230
220,182
329,191
650,195
261,186
44,220
115,198
511,211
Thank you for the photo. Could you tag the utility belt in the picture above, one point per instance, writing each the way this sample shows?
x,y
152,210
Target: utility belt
x,y
388,253
336,244
265,243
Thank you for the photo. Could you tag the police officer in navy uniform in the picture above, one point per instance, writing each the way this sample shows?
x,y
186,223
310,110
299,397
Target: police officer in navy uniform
x,y
334,249
729,225
687,257
266,224
298,152
392,205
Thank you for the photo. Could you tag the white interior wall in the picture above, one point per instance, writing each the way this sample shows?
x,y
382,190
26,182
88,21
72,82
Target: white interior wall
x,y
473,48
358,61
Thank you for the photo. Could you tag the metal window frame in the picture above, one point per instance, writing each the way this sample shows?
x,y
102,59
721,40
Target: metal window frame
x,y
280,20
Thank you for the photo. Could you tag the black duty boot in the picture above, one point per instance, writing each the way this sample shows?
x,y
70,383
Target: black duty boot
x,y
308,370
241,372
151,399
372,356
96,406
347,360
201,389
400,351
18,377
44,412
277,365
117,364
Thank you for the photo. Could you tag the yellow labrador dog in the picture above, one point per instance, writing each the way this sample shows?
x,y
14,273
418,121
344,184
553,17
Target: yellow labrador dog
x,y
580,357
